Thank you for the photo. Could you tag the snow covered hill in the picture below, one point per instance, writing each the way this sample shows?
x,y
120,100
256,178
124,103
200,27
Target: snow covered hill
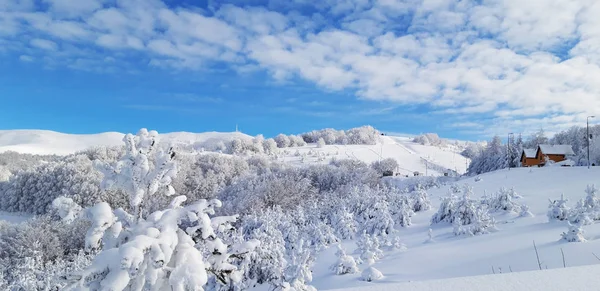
x,y
51,142
411,156
508,249
430,160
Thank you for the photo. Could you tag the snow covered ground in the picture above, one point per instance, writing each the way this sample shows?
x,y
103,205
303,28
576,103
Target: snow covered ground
x,y
576,278
510,248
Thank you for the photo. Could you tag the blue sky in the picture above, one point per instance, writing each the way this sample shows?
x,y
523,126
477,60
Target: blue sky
x,y
463,69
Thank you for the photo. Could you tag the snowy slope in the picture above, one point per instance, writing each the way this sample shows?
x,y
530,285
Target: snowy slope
x,y
510,248
576,278
51,142
410,156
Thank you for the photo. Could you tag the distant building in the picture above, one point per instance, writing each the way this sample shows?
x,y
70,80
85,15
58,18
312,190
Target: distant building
x,y
528,158
538,157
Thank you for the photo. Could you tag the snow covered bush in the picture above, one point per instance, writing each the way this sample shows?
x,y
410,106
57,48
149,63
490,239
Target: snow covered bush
x,y
320,142
282,141
574,234
468,216
503,200
371,274
345,264
481,223
36,253
342,221
270,146
429,139
384,166
445,212
32,191
66,209
420,200
287,250
358,135
558,209
4,174
369,248
525,211
209,174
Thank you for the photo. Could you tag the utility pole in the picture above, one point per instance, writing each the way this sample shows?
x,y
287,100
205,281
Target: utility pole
x,y
508,149
587,137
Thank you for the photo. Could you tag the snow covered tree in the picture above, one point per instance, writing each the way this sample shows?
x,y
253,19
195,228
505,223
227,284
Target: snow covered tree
x,y
282,140
492,158
270,146
345,264
525,211
4,174
445,212
177,248
558,209
481,222
574,234
343,223
536,139
503,200
369,248
385,166
420,200
430,238
592,201
321,142
143,171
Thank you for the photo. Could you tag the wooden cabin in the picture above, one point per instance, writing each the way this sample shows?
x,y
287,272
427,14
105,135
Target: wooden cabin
x,y
528,158
556,153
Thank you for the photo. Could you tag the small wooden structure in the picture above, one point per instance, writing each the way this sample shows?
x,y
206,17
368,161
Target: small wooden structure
x,y
528,158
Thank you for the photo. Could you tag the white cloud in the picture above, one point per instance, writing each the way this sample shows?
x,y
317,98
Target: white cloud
x,y
73,9
43,44
26,58
506,59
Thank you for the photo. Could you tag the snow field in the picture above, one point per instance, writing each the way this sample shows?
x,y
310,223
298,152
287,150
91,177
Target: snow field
x,y
510,248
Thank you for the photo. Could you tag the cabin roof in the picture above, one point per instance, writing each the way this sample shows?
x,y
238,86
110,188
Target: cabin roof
x,y
556,149
529,153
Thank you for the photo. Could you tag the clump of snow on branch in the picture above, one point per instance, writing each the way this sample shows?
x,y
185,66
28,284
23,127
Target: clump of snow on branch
x,y
66,208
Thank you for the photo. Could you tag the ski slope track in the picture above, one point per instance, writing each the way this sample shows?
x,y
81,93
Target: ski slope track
x,y
469,263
